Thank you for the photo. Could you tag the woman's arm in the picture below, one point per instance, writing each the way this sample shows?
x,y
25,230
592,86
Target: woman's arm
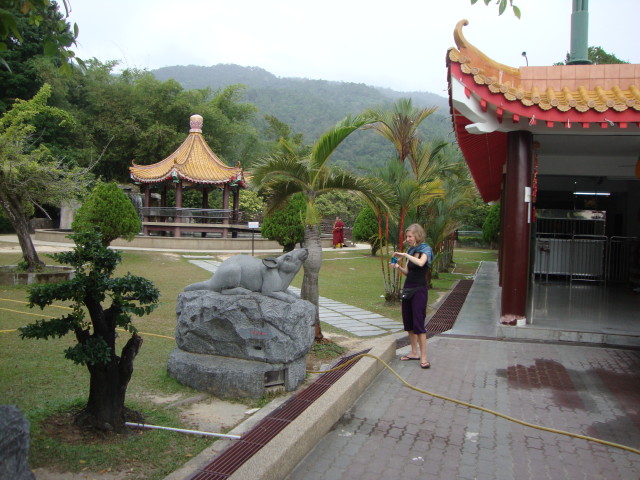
x,y
419,260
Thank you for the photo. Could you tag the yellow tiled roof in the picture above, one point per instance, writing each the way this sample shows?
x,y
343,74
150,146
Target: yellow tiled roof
x,y
193,161
561,87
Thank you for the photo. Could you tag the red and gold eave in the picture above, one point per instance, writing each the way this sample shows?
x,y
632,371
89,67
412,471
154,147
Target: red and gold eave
x,y
192,163
488,99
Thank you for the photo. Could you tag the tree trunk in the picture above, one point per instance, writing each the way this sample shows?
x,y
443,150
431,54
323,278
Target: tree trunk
x,y
13,208
105,408
311,267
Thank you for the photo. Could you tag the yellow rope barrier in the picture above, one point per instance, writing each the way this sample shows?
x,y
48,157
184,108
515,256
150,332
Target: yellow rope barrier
x,y
403,381
493,412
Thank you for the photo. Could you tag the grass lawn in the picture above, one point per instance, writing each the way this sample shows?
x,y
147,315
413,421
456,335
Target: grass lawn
x,y
36,376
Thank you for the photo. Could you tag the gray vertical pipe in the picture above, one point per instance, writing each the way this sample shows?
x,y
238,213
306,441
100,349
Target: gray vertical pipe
x,y
579,33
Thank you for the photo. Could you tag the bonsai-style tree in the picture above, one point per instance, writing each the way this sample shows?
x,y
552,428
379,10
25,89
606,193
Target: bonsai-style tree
x,y
109,210
92,285
286,225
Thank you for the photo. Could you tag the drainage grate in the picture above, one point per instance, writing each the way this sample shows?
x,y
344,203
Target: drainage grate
x,y
446,316
447,313
231,458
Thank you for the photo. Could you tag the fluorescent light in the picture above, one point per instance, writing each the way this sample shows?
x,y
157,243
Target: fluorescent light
x,y
593,194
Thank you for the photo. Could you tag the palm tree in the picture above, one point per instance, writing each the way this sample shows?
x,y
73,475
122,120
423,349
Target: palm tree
x,y
412,189
442,215
400,126
290,171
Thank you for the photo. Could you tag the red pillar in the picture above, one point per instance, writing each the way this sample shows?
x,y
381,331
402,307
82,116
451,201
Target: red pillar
x,y
516,228
147,204
178,219
225,206
236,208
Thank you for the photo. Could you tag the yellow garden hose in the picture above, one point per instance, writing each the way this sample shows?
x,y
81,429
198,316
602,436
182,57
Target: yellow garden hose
x,y
412,387
493,412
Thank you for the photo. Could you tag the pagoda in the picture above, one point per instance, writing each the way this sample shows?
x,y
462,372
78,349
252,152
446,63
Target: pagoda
x,y
192,165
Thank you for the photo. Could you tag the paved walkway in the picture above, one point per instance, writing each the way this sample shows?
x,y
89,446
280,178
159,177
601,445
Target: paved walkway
x,y
356,321
395,432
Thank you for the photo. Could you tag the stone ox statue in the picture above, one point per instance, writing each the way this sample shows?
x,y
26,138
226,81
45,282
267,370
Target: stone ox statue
x,y
243,331
243,274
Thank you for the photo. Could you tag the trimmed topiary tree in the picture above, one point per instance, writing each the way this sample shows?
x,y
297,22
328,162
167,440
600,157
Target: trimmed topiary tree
x,y
109,210
365,229
286,226
94,265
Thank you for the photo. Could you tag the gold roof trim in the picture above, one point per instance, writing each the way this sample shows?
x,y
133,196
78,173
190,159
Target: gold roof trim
x,y
193,161
562,87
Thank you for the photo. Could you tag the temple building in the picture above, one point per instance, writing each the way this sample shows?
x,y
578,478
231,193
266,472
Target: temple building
x,y
192,166
559,148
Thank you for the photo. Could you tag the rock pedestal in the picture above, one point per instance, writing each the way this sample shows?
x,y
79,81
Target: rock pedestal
x,y
238,345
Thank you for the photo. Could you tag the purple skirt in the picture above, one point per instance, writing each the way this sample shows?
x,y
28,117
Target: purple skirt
x,y
414,310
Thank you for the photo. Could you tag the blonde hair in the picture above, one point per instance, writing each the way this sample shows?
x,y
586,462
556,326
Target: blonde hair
x,y
418,232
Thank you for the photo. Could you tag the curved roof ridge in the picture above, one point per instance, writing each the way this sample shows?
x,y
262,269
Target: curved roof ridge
x,y
561,87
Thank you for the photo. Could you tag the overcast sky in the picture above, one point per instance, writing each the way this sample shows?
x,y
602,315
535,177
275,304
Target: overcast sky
x,y
400,44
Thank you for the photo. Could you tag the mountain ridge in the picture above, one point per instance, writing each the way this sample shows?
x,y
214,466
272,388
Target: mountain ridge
x,y
311,106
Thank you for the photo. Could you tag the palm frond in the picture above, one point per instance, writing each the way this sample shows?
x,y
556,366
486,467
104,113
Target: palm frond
x,y
330,140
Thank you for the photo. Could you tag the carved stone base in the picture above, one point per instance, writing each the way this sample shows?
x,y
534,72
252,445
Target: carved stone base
x,y
233,377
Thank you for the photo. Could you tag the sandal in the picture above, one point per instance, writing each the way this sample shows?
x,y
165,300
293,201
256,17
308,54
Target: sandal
x,y
425,365
406,358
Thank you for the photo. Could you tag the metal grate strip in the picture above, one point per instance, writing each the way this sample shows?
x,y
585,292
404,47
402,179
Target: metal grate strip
x,y
231,458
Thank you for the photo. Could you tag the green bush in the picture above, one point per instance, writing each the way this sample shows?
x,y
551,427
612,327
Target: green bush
x,y
491,225
286,226
365,229
109,210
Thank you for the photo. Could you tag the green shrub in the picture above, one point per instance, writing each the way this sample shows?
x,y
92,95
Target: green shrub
x,y
286,226
365,229
109,210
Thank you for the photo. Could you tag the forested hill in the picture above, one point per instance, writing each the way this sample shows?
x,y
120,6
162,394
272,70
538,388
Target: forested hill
x,y
310,107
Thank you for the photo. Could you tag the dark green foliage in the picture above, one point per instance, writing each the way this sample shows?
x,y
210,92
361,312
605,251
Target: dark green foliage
x,y
286,225
339,203
109,210
94,265
54,34
475,215
597,56
365,229
491,225
5,224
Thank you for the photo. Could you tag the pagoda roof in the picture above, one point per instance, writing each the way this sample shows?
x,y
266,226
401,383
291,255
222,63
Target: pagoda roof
x,y
489,99
193,162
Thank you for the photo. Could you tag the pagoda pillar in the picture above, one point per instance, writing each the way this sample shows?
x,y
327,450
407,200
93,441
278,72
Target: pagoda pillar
x,y
146,205
205,197
178,218
515,228
236,207
225,207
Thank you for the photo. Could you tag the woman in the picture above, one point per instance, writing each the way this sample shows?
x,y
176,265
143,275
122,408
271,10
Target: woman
x,y
414,309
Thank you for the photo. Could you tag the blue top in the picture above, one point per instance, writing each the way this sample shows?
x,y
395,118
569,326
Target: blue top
x,y
422,248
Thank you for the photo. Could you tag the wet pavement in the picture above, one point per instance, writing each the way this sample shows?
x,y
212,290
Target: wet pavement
x,y
395,432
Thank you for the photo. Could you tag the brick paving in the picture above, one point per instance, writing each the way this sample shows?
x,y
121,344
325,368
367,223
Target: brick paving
x,y
395,432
